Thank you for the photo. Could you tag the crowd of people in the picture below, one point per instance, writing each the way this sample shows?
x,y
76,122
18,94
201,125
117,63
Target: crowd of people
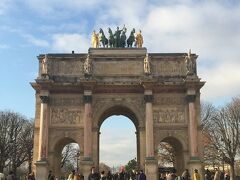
x,y
215,174
121,175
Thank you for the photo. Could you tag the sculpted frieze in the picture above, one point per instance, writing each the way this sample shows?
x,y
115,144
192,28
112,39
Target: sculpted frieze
x,y
65,116
169,115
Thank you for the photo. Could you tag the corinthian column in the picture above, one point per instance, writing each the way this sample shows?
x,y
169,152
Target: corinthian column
x,y
193,131
43,131
87,125
148,97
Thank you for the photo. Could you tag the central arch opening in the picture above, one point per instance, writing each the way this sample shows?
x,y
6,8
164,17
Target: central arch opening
x,y
118,139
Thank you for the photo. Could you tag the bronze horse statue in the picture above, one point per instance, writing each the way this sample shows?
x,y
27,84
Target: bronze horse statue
x,y
111,39
131,38
102,38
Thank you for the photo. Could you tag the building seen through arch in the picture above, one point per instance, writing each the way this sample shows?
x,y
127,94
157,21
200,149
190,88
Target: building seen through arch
x,y
75,93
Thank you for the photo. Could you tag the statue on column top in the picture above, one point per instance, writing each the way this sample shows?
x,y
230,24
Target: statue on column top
x,y
190,64
87,66
146,65
45,65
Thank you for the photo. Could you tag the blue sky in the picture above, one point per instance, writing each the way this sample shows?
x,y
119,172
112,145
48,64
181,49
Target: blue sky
x,y
211,28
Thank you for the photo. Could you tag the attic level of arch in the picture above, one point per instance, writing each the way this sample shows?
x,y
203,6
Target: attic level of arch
x,y
117,70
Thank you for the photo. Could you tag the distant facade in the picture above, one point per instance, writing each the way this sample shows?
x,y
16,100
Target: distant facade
x,y
75,93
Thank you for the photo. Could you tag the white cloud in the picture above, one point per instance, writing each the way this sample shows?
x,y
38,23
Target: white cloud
x,y
214,36
70,42
36,41
222,81
117,147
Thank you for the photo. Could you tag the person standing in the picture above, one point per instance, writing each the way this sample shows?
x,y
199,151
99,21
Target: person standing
x,y
186,175
217,174
142,176
196,175
93,175
11,176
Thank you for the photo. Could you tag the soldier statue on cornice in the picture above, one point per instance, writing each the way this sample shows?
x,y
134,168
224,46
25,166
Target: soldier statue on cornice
x,y
190,64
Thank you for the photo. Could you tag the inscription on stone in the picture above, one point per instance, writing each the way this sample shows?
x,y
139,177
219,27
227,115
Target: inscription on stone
x,y
169,100
70,101
60,116
170,68
169,115
118,68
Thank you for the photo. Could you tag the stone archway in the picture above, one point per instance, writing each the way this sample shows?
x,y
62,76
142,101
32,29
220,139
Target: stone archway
x,y
178,152
55,156
162,102
127,112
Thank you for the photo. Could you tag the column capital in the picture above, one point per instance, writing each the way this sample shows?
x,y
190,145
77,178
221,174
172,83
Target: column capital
x,y
87,98
44,99
190,98
148,98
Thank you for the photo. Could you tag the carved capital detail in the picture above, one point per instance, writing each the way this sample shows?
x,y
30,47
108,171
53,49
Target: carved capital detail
x,y
190,98
87,98
44,99
148,98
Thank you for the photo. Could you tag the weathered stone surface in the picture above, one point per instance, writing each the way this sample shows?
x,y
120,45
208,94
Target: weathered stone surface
x,y
157,103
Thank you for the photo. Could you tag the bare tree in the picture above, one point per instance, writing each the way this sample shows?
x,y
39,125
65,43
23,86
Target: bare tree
x,y
166,154
14,131
210,153
224,132
70,155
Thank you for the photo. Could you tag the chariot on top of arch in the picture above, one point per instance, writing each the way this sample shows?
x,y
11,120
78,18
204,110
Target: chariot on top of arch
x,y
118,39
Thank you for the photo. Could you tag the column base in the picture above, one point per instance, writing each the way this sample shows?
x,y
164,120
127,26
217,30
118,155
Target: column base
x,y
41,170
85,167
151,168
195,163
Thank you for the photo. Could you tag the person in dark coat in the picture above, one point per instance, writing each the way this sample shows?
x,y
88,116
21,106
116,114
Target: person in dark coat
x,y
142,176
94,175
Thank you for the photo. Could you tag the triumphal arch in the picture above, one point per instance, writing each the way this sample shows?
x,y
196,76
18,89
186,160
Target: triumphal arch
x,y
75,93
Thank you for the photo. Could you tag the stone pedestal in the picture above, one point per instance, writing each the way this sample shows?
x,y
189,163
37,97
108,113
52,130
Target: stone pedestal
x,y
85,167
151,168
41,170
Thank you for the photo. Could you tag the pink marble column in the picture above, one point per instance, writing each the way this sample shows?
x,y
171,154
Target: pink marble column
x,y
149,126
88,127
193,131
43,129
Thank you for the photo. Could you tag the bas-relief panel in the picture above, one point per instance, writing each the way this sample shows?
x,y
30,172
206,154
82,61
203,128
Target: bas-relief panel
x,y
169,68
66,110
118,68
66,67
169,109
169,115
65,116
